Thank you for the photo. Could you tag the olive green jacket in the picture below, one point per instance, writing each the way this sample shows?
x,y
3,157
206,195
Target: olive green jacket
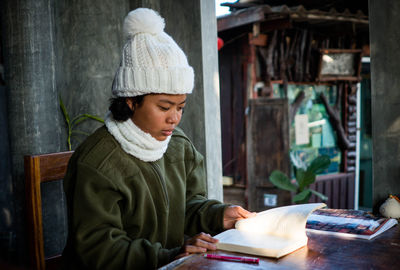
x,y
128,214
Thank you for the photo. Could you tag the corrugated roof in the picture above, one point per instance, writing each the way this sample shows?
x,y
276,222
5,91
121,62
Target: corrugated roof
x,y
324,5
298,12
295,13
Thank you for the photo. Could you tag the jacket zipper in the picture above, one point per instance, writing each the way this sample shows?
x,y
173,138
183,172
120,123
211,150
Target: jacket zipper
x,y
157,169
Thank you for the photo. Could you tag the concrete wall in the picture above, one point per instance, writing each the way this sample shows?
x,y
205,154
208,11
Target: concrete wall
x,y
385,79
33,114
88,42
72,49
7,209
193,26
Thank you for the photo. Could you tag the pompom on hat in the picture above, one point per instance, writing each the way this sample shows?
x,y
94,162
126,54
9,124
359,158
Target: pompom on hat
x,y
151,60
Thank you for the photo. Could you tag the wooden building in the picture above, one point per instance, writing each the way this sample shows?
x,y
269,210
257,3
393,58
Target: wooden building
x,y
279,64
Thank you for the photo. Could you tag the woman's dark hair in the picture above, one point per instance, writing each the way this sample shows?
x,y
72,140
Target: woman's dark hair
x,y
120,109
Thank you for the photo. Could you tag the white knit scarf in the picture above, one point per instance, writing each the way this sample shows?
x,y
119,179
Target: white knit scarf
x,y
135,141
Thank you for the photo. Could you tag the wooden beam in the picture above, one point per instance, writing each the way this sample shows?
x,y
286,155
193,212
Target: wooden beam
x,y
240,18
320,17
275,24
259,40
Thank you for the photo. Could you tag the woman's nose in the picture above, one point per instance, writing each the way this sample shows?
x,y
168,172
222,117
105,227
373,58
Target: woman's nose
x,y
174,117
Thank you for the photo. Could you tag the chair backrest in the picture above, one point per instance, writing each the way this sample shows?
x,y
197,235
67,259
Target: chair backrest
x,y
40,169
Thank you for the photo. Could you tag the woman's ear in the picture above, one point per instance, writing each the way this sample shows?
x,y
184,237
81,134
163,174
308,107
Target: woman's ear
x,y
130,104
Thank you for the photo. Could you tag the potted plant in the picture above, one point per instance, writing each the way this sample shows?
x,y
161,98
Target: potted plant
x,y
72,123
304,177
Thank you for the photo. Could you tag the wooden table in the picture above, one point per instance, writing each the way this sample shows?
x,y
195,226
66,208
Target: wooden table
x,y
322,252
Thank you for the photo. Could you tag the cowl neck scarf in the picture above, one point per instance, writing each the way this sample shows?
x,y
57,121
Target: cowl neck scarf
x,y
135,141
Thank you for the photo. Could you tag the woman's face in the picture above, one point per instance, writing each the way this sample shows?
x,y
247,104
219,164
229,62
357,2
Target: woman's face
x,y
158,114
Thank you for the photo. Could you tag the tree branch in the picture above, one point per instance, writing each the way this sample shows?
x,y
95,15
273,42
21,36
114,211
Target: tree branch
x,y
334,119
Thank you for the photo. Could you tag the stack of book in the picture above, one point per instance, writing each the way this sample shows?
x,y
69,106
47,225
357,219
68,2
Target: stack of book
x,y
348,223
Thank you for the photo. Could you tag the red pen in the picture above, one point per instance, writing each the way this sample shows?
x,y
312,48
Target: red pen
x,y
232,258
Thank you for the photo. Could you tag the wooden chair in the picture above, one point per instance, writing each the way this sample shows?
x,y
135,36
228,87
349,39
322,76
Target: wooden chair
x,y
40,169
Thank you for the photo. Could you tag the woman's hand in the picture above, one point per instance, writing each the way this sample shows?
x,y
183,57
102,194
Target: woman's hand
x,y
234,213
198,244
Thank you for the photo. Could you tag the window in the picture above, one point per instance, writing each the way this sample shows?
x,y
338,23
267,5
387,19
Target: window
x,y
311,133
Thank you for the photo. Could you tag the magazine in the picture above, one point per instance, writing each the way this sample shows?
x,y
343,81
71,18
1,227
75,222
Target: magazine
x,y
348,223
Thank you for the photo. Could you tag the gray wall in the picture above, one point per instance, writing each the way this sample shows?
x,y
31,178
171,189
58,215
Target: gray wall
x,y
88,41
33,114
7,211
72,49
193,25
385,79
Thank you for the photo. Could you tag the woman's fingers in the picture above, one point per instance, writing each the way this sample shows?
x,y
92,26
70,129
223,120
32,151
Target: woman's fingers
x,y
247,214
194,249
234,213
242,213
203,240
206,237
200,243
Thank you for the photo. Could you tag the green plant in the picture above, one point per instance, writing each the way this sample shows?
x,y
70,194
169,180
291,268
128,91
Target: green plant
x,y
71,124
305,176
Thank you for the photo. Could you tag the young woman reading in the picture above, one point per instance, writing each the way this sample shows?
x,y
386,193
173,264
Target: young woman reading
x,y
136,189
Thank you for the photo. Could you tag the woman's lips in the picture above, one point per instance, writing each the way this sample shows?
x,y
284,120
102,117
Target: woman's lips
x,y
167,132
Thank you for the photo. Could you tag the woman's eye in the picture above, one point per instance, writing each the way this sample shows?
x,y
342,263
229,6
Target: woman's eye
x,y
163,108
180,108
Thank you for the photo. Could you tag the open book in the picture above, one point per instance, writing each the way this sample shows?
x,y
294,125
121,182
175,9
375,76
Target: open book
x,y
348,223
271,233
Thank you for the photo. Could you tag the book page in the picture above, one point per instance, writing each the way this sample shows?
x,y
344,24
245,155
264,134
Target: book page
x,y
287,221
255,244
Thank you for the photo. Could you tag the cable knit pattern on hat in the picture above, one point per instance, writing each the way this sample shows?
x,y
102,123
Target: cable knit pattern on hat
x,y
135,141
151,60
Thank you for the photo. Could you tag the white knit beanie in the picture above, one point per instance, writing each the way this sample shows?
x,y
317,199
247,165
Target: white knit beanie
x,y
151,60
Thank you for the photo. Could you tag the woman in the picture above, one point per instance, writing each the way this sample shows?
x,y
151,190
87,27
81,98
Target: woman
x,y
136,187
